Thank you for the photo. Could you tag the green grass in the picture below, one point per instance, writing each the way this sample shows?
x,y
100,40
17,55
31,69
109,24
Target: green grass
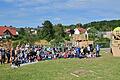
x,y
103,68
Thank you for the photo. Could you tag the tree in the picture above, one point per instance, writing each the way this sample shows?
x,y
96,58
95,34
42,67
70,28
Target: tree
x,y
79,25
59,30
39,33
22,31
59,35
92,33
103,25
72,26
48,31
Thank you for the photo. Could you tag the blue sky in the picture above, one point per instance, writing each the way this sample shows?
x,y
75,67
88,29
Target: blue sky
x,y
21,13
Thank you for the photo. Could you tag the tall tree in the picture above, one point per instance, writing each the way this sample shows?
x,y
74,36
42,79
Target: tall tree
x,y
48,31
60,30
22,31
79,25
93,33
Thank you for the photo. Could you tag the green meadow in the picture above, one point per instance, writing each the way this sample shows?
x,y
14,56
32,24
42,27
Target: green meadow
x,y
105,67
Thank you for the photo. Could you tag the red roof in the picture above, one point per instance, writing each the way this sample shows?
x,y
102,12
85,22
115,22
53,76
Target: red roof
x,y
82,30
67,30
10,29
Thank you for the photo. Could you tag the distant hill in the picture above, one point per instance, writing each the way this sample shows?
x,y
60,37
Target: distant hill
x,y
103,25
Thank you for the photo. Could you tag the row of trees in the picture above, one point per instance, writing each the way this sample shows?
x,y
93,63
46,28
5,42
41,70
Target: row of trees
x,y
55,33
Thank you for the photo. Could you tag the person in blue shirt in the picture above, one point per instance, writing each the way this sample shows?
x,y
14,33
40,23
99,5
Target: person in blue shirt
x,y
97,50
78,52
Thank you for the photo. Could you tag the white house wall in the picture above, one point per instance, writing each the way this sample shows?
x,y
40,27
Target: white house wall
x,y
76,31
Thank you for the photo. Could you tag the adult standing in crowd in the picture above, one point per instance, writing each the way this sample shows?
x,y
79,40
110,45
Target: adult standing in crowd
x,y
78,52
13,53
8,56
2,51
97,50
0,57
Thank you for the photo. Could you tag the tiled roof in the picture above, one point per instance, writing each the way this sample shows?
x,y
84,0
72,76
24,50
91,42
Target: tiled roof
x,y
82,30
10,29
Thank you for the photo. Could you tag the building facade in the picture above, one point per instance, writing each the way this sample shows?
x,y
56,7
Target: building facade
x,y
7,32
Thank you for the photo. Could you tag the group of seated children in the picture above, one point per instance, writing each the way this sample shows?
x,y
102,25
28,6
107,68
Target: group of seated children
x,y
23,54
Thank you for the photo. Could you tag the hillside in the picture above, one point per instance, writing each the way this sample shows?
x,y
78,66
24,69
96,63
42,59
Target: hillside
x,y
103,25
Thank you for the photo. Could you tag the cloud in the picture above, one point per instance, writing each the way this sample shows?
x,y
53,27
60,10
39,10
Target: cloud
x,y
76,3
64,11
57,4
8,1
26,3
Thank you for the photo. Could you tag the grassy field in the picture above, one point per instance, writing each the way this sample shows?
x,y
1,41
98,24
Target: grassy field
x,y
103,68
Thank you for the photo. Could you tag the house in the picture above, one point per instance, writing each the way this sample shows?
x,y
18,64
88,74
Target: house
x,y
107,34
7,32
75,31
79,37
79,30
33,31
79,34
69,31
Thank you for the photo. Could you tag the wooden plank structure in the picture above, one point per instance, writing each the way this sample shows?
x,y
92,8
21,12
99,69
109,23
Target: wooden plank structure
x,y
116,48
80,40
41,42
115,43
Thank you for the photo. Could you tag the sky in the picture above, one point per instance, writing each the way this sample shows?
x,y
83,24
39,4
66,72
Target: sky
x,y
31,13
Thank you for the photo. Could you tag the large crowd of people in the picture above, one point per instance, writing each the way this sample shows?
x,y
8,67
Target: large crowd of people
x,y
27,54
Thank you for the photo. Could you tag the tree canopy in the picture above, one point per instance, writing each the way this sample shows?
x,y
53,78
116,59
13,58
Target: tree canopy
x,y
47,31
103,25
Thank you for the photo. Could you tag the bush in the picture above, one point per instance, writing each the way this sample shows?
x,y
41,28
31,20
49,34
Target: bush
x,y
103,42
